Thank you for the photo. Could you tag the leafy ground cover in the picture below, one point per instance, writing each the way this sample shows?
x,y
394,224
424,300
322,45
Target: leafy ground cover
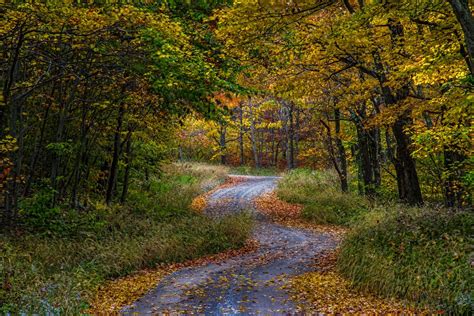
x,y
328,292
59,266
420,255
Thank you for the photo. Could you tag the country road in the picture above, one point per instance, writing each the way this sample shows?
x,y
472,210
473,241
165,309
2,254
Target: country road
x,y
250,284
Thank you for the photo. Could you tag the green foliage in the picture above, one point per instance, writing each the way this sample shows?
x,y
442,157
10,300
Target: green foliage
x,y
418,254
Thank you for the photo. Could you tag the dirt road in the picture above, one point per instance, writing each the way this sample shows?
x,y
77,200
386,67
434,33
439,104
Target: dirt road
x,y
251,284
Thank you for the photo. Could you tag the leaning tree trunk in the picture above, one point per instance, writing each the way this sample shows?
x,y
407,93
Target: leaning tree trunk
x,y
466,20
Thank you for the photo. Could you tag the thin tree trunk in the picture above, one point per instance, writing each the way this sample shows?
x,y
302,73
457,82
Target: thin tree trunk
x,y
241,136
341,152
290,130
222,143
128,163
253,136
115,157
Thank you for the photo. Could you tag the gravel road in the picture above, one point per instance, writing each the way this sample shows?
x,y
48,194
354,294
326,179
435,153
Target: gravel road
x,y
250,284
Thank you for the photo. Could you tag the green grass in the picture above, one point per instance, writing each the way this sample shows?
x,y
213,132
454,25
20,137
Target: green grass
x,y
323,202
56,270
252,171
421,255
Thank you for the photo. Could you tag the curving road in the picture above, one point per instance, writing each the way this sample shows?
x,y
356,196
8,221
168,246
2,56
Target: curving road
x,y
250,284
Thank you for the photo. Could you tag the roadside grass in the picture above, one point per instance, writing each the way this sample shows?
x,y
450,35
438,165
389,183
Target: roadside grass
x,y
252,171
57,269
421,255
323,202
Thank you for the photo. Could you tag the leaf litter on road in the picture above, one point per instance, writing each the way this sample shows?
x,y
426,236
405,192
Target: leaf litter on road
x,y
115,294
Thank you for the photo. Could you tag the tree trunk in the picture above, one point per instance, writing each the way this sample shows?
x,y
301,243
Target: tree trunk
x,y
407,178
115,158
464,16
241,136
253,137
341,153
222,143
128,163
290,143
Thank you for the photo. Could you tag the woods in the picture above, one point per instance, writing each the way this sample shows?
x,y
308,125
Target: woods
x,y
385,87
90,93
116,118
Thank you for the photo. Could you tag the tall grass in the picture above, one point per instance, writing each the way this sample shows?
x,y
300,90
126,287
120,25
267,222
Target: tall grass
x,y
323,202
57,273
252,171
420,254
423,255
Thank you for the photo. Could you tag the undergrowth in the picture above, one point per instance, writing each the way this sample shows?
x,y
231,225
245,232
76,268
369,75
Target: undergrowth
x,y
56,267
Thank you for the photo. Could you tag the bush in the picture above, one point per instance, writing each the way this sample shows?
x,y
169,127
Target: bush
x,y
422,255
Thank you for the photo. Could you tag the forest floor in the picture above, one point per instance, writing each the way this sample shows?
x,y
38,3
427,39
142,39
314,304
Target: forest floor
x,y
256,282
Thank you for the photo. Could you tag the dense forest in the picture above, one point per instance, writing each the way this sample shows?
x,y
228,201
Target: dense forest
x,y
100,99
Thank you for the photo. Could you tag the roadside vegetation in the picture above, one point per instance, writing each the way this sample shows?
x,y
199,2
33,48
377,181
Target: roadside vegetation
x,y
249,170
323,201
422,255
55,264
